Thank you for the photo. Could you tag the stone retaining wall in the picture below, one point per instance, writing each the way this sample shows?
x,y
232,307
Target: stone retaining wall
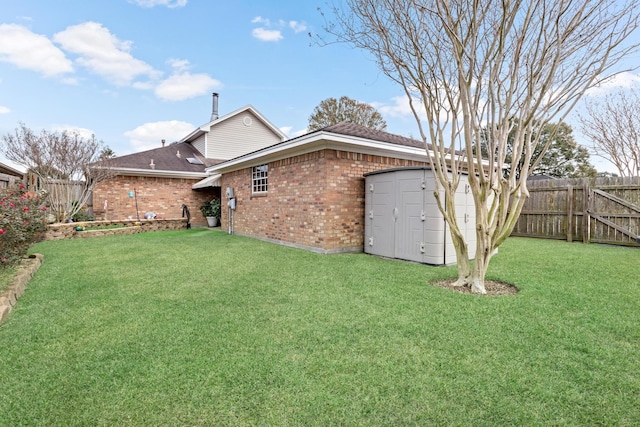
x,y
26,270
101,228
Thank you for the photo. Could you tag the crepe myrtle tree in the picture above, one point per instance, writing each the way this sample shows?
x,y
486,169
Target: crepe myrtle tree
x,y
469,65
65,165
613,126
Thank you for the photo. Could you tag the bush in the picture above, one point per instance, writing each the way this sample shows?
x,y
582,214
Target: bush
x,y
81,215
22,222
211,208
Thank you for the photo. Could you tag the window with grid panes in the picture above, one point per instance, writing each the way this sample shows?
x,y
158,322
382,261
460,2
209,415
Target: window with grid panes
x,y
259,178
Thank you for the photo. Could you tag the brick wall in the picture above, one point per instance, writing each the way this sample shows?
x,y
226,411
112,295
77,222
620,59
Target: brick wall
x,y
164,196
315,200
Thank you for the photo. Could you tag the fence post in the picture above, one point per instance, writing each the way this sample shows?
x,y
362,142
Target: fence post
x,y
570,213
586,215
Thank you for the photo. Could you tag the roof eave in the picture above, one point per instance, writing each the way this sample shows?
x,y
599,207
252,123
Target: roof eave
x,y
317,141
159,173
207,126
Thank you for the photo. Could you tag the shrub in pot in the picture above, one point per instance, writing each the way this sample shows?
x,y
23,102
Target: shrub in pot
x,y
211,210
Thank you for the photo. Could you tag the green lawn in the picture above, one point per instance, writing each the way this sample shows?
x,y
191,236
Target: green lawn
x,y
6,277
200,328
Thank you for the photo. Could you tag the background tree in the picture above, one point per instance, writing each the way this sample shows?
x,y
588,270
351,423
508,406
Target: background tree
x,y
613,126
564,158
66,165
332,111
468,66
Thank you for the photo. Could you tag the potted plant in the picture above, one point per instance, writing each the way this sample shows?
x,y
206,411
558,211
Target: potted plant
x,y
211,211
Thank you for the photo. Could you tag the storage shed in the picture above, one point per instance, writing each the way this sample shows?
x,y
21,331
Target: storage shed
x,y
402,219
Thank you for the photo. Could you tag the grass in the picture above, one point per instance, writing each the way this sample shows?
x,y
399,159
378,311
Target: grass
x,y
201,328
101,227
6,276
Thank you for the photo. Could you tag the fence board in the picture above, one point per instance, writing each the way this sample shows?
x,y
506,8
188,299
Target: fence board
x,y
603,210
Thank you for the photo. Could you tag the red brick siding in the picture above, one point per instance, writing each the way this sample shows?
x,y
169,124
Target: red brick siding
x,y
164,196
314,200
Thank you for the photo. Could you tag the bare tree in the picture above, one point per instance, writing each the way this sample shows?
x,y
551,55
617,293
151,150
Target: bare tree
x,y
613,126
332,111
64,164
466,65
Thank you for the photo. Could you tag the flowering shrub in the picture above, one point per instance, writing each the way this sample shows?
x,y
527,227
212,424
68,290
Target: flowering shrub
x,y
22,222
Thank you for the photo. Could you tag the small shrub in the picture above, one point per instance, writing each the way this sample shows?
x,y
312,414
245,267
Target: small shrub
x,y
211,208
82,215
22,222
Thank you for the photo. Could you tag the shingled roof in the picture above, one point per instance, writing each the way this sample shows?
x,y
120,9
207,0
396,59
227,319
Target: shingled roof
x,y
352,129
172,157
8,170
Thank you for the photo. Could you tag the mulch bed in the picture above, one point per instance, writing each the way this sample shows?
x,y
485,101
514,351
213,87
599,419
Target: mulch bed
x,y
493,287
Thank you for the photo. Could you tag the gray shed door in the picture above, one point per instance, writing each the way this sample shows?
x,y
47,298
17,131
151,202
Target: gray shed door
x,y
402,219
398,224
409,221
380,208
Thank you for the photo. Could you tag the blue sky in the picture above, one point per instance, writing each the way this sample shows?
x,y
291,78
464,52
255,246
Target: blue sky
x,y
134,72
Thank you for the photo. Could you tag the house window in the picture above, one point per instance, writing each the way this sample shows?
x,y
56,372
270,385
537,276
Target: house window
x,y
259,178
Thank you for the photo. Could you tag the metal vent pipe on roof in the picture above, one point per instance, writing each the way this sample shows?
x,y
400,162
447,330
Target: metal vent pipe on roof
x,y
214,109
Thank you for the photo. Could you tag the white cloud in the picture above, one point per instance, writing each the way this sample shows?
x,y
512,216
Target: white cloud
x,y
267,35
179,64
185,85
261,20
83,132
103,53
150,135
298,27
4,110
300,132
399,107
286,129
620,81
25,49
152,3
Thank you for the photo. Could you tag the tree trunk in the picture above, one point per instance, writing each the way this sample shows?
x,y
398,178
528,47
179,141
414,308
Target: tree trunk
x,y
462,259
484,252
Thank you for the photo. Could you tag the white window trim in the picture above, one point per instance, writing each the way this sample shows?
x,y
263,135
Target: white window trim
x,y
259,179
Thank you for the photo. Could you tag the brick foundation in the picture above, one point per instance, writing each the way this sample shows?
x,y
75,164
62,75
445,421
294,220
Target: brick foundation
x,y
315,200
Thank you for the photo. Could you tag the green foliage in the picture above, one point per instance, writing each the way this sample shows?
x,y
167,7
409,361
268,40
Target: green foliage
x,y
332,111
22,220
211,208
564,157
81,214
143,330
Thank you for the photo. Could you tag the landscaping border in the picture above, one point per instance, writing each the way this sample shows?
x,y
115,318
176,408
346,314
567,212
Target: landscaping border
x,y
69,230
26,270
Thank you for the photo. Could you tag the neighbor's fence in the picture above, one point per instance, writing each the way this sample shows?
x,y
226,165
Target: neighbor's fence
x,y
600,210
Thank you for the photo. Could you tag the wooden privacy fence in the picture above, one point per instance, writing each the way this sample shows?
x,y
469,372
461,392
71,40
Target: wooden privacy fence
x,y
599,210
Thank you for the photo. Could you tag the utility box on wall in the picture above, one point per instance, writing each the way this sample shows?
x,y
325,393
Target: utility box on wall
x,y
402,219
